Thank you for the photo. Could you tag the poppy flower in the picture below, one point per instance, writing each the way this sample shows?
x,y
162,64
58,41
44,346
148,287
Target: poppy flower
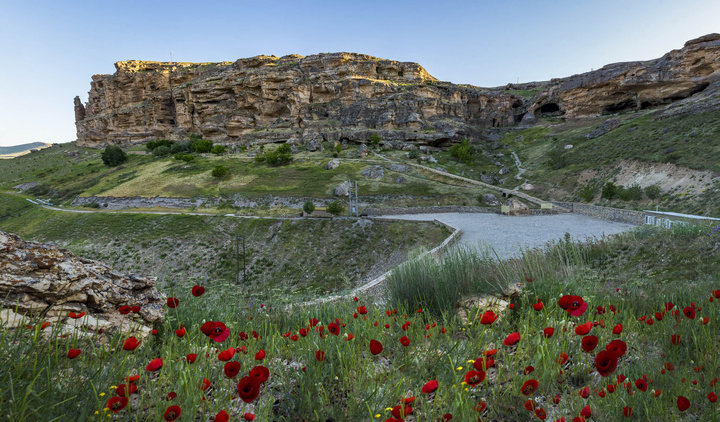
x,y
172,302
712,397
627,411
563,358
611,388
172,395
294,337
689,312
618,347
585,392
446,417
362,310
191,358
529,387
131,343
375,347
350,336
205,384
172,413
606,362
705,320
116,404
473,378
528,370
231,369
483,364
406,410
407,400
222,416
574,305
641,384
529,405
154,365
249,416
198,291
124,310
538,306
260,355
73,353
548,332
675,339
334,328
44,325
154,331
320,355
617,329
589,343
124,390
73,315
683,403
429,387
405,341
583,329
217,331
601,394
226,355
657,393
488,318
556,399
314,322
540,413
585,412
511,339
180,332
248,389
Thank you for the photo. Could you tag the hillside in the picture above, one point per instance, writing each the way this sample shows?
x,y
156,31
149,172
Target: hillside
x,y
18,150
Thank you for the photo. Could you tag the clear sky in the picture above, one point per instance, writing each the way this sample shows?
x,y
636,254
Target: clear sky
x,y
50,49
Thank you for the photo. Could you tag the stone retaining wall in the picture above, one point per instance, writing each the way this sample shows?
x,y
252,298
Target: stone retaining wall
x,y
605,213
430,210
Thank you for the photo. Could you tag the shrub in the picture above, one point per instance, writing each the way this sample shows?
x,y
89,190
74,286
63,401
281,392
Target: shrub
x,y
338,148
463,151
335,208
152,145
161,151
278,156
180,147
652,191
201,146
308,207
218,149
184,157
284,149
113,156
587,192
609,191
375,139
219,171
634,193
413,154
557,158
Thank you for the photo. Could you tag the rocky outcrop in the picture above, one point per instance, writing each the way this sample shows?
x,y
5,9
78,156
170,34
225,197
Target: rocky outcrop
x,y
37,278
330,97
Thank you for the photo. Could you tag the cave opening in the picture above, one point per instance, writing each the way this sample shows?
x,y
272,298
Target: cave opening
x,y
549,109
621,106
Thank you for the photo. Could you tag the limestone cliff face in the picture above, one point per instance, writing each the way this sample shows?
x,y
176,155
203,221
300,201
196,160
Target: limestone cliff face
x,y
293,98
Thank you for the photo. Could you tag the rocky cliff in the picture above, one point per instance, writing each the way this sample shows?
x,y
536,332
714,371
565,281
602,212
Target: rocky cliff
x,y
346,96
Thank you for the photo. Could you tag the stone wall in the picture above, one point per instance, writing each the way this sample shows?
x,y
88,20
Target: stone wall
x,y
605,213
430,210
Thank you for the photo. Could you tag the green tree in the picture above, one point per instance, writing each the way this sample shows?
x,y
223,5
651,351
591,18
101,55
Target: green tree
x,y
652,191
218,149
335,208
375,139
609,191
161,151
201,146
113,156
308,207
219,171
184,157
587,192
463,151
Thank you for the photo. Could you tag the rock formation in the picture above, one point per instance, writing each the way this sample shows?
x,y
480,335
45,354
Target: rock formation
x,y
37,278
349,97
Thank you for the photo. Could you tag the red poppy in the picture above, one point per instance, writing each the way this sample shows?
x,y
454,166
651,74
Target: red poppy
x,y
683,403
429,387
584,392
124,390
248,389
73,353
334,328
260,374
482,364
124,310
260,355
617,329
172,302
611,388
73,315
294,337
583,329
589,343
217,331
528,370
563,358
154,331
574,305
705,320
618,347
511,339
606,362
689,312
548,332
205,384
473,378
222,416
198,291
131,343
375,347
712,397
488,318
529,387
320,355
716,294
172,413
249,416
540,413
172,395
405,341
627,411
556,399
538,306
362,310
407,400
132,378
601,394
116,404
154,365
400,412
585,412
350,336
446,417
181,331
314,322
657,393
226,355
641,384
675,339
530,405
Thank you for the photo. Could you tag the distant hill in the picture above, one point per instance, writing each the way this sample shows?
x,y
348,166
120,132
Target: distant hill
x,y
17,150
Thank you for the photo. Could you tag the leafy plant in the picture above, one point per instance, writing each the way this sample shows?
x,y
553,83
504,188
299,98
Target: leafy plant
x,y
201,146
218,149
335,208
463,151
374,139
308,207
413,154
152,145
557,158
161,151
652,191
609,191
113,156
219,171
587,192
184,157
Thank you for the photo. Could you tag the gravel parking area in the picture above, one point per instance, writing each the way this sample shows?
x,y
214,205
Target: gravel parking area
x,y
508,236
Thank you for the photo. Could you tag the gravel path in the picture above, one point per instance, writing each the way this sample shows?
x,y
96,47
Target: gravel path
x,y
509,235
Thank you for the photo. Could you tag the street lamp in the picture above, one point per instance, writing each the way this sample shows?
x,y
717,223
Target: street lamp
x,y
237,258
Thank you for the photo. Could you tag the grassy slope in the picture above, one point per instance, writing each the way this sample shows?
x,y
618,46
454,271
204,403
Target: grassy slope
x,y
284,254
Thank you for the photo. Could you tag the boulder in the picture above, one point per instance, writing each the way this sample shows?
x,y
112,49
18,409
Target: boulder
x,y
604,128
504,171
363,151
332,164
517,207
314,144
374,173
490,199
343,189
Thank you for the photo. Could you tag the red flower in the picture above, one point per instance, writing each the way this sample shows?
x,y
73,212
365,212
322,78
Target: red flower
x,y
135,309
154,365
488,318
222,416
683,403
406,410
538,306
574,305
606,362
171,396
260,374
627,411
473,378
583,329
375,347
320,355
260,355
540,413
481,406
226,355
563,358
618,347
314,322
689,312
217,331
446,417
198,291
675,339
530,405
294,337
585,412
116,404
548,332
249,416
556,399
73,353
589,343
172,303
248,389
172,413
617,329
712,397
529,387
405,341
231,369
123,390
205,384
362,310
528,370
244,336
350,336
483,364
429,387
512,339
641,384
181,331
124,310
131,343
73,315
585,392
191,358
334,328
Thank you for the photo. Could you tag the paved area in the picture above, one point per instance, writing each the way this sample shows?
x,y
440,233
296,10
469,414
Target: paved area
x,y
508,236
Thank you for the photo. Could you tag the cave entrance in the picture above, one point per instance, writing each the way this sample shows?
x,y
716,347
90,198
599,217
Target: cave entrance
x,y
621,106
549,109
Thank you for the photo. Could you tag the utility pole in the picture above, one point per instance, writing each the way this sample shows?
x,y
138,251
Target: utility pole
x,y
237,258
357,203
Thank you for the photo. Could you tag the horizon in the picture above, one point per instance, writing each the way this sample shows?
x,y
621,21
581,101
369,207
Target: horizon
x,y
52,50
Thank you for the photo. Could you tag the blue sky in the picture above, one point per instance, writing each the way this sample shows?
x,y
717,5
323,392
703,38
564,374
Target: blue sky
x,y
50,49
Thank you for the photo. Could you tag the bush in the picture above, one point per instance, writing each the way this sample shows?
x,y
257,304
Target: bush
x,y
218,149
152,145
219,171
633,193
335,208
557,158
338,148
308,207
609,191
162,151
284,149
652,191
201,146
463,151
413,154
184,157
587,192
113,156
180,147
276,157
375,139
